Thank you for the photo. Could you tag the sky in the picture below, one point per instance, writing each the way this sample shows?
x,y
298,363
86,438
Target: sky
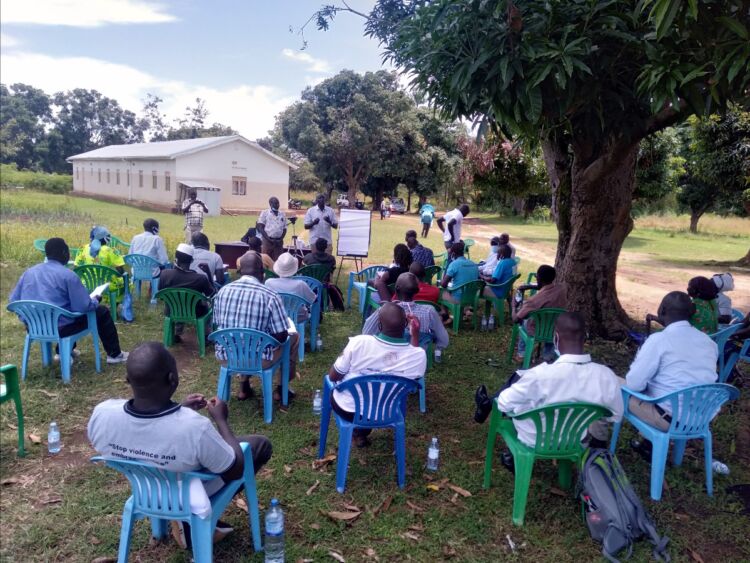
x,y
238,55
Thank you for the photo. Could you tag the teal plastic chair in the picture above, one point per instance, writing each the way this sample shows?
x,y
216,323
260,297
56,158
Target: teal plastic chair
x,y
693,409
119,245
737,315
559,429
320,272
379,402
142,269
42,325
183,308
244,349
292,306
499,302
433,274
94,275
39,245
358,281
164,496
468,243
544,329
10,390
726,362
470,292
531,278
318,289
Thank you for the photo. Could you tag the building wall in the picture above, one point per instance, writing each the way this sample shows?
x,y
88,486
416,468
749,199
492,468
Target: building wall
x,y
91,177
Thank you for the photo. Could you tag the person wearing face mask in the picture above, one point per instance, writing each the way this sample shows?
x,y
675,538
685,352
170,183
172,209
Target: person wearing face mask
x,y
573,377
149,243
99,252
271,227
487,266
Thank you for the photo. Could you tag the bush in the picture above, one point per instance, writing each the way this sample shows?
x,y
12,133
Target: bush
x,y
11,177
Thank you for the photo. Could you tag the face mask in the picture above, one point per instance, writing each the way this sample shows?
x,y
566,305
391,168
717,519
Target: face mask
x,y
155,230
494,249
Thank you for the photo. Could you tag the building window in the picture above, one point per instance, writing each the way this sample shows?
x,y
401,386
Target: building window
x,y
239,185
117,176
167,182
108,180
154,179
76,173
99,174
140,178
127,176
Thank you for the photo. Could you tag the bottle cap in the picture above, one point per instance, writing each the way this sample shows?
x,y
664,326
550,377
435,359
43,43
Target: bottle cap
x,y
274,502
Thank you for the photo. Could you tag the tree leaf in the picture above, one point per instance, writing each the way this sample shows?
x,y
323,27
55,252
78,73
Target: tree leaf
x,y
337,556
735,26
414,507
411,536
343,516
695,556
459,490
35,439
312,488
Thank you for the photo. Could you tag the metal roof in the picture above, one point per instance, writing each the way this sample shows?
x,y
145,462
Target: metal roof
x,y
198,184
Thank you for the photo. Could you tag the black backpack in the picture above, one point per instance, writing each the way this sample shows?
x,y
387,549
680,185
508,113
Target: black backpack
x,y
613,512
335,297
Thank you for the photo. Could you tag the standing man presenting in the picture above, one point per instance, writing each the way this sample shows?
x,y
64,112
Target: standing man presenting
x,y
271,227
193,210
319,219
450,224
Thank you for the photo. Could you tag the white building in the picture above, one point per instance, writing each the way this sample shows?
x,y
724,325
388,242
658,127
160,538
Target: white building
x,y
227,172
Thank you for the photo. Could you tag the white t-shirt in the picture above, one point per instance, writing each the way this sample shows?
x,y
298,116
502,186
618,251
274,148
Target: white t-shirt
x,y
459,218
368,355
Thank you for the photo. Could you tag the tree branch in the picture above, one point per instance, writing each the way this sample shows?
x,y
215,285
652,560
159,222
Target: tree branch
x,y
665,118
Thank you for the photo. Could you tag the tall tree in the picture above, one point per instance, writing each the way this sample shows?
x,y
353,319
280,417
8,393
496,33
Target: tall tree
x,y
24,113
156,120
589,80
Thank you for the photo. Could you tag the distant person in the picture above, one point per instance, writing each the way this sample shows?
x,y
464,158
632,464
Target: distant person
x,y
388,352
286,267
202,254
402,259
383,209
320,255
703,293
271,226
149,243
319,220
420,253
193,210
461,270
426,215
724,283
505,239
99,252
451,223
502,273
52,282
427,292
256,246
487,266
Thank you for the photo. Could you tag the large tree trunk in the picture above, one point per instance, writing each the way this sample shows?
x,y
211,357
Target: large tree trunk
x,y
592,196
695,216
746,260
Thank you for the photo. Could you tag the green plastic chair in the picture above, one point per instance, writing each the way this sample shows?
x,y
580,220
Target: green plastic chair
x,y
559,429
320,272
183,304
442,258
544,329
499,302
94,275
531,278
11,391
468,243
119,245
470,292
432,274
39,244
370,303
269,274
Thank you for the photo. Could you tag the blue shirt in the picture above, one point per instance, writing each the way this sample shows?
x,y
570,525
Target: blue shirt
x,y
460,271
503,272
423,255
51,282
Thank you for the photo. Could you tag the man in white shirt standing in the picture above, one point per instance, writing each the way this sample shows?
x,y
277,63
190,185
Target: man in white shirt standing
x,y
319,220
149,243
387,353
450,224
271,227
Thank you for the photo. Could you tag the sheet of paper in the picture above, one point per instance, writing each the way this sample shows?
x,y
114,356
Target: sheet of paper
x,y
99,291
290,327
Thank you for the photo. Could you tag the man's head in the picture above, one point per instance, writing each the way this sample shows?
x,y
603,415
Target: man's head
x,y
411,242
151,226
184,255
56,249
409,234
457,249
464,209
418,270
286,265
407,286
392,320
545,275
200,240
570,333
273,203
402,256
504,238
321,245
320,201
251,264
152,372
676,306
503,251
192,195
494,243
254,243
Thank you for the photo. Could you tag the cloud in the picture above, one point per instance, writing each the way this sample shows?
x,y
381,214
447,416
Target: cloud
x,y
7,41
250,109
313,64
84,13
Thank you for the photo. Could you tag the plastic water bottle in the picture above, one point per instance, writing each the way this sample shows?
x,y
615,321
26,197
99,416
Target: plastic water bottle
x,y
53,438
317,403
518,297
719,467
491,323
484,322
433,455
438,355
274,548
319,344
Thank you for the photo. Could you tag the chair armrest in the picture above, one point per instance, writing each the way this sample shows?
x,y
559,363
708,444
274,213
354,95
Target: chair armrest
x,y
640,396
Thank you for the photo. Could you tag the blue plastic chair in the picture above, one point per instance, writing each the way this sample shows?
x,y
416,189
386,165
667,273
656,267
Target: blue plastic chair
x,y
379,402
159,496
142,269
737,315
745,351
693,408
725,364
292,305
426,343
358,281
315,310
244,349
42,325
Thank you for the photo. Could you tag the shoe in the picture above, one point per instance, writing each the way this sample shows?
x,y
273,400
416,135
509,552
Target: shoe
x,y
506,459
118,359
178,533
73,355
221,531
484,405
643,448
277,393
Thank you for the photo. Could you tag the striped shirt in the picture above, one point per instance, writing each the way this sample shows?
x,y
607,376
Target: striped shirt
x,y
247,303
429,322
193,213
423,255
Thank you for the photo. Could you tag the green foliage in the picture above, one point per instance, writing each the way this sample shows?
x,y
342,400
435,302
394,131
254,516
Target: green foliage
x,y
11,177
659,166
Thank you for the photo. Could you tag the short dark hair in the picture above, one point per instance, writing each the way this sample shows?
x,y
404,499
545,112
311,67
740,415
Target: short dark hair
x,y
411,233
150,224
254,243
504,251
546,274
200,240
149,365
402,256
321,244
55,249
464,209
495,241
418,270
411,242
458,248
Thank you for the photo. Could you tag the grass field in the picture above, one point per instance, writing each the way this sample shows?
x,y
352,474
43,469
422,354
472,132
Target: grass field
x,y
63,508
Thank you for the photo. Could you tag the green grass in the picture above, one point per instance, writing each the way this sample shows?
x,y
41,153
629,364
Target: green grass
x,y
85,523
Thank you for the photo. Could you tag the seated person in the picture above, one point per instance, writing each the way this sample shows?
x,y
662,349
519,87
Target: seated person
x,y
319,255
255,245
407,287
149,243
502,273
573,377
677,357
99,252
505,239
152,423
285,267
202,254
387,353
402,259
550,295
419,253
487,266
724,283
460,271
52,282
427,292
703,292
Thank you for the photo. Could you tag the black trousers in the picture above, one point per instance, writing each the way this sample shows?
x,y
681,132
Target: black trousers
x,y
106,327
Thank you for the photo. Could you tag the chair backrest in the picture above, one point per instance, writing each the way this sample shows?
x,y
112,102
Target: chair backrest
x,y
143,266
560,426
544,323
315,285
721,338
41,319
468,242
39,244
379,400
430,272
369,273
694,407
94,275
737,314
119,245
506,286
269,274
10,388
244,348
182,302
292,304
469,291
318,271
531,278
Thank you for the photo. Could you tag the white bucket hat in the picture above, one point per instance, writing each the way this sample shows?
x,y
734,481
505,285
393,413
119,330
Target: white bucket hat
x,y
286,265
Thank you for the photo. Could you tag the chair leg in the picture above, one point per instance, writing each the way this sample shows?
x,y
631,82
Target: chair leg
x,y
137,288
158,528
167,335
200,330
25,362
349,295
658,465
126,530
46,348
224,387
267,379
19,417
528,352
678,451
301,347
361,301
154,289
708,460
325,419
66,355
615,436
513,339
113,305
251,497
524,465
457,312
422,396
490,449
342,463
565,473
400,436
202,536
